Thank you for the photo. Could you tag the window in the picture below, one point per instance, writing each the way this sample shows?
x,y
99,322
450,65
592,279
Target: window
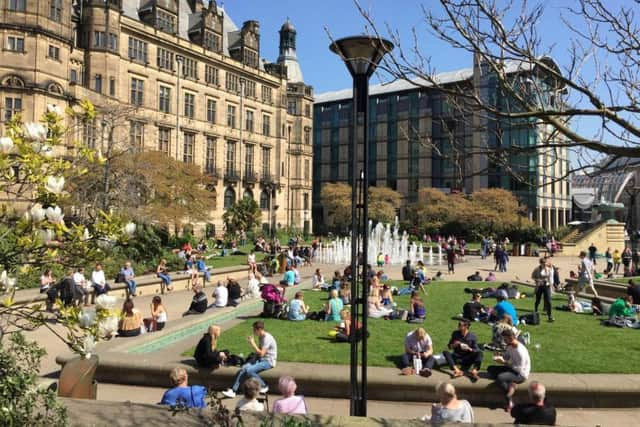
x,y
113,42
307,136
307,170
190,68
98,83
55,10
266,125
54,52
229,198
12,106
292,107
137,91
164,136
73,76
188,145
112,86
17,5
212,41
250,58
249,121
231,116
165,21
89,133
164,103
248,194
210,154
211,110
249,88
136,135
231,157
248,160
305,201
189,105
211,75
264,200
138,50
232,82
99,39
15,44
165,59
266,162
307,110
267,94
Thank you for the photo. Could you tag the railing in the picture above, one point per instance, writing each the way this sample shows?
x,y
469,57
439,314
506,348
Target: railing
x,y
267,179
232,175
250,177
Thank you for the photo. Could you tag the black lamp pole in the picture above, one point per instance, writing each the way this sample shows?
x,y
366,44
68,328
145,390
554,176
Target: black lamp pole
x,y
361,55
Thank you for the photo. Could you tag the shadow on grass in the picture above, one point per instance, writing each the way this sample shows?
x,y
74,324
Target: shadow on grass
x,y
395,359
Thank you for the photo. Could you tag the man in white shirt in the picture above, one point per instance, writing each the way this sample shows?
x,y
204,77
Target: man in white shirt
x,y
221,294
516,367
98,281
82,286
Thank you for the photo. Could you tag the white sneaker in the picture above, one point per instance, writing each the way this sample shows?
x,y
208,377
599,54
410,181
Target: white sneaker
x,y
264,389
229,393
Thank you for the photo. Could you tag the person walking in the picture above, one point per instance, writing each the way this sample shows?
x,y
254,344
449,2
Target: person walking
x,y
585,273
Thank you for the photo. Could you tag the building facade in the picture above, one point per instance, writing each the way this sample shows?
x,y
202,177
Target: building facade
x,y
192,83
418,139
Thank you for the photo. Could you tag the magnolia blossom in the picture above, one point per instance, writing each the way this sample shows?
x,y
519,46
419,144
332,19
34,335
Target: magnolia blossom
x,y
6,281
53,108
46,235
130,228
6,144
37,212
54,184
55,215
46,151
106,302
34,131
88,346
86,318
108,326
86,235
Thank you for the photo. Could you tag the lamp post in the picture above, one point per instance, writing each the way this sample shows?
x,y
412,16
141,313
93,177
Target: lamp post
x,y
361,55
179,59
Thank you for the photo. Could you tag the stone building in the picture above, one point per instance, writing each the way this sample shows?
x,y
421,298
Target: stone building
x,y
193,84
418,137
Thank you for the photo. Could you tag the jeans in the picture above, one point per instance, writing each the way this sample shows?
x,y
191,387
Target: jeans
x,y
504,376
543,290
206,275
251,370
99,290
165,278
471,359
131,284
427,362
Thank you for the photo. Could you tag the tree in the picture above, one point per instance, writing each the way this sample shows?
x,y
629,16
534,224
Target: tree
x,y
336,199
595,83
243,215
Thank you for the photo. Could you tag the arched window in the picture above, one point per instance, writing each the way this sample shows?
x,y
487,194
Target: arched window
x,y
248,194
13,81
264,200
213,195
229,197
55,88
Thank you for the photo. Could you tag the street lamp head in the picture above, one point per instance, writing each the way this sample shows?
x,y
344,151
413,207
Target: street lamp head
x,y
361,54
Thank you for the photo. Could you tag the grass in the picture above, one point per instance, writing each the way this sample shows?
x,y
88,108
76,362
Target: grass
x,y
624,280
575,343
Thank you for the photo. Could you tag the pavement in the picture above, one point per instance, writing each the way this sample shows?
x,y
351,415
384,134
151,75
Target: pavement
x,y
519,269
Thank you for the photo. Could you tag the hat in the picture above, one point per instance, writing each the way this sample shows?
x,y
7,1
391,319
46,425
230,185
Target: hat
x,y
502,294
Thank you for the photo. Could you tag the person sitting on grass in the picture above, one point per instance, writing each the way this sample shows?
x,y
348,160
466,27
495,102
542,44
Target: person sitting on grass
x,y
418,344
199,302
344,329
475,277
130,321
249,402
297,308
386,297
491,277
465,352
438,277
333,307
537,412
506,323
267,352
182,394
289,278
450,409
417,310
504,307
317,281
516,367
206,353
622,307
290,403
408,272
474,310
376,310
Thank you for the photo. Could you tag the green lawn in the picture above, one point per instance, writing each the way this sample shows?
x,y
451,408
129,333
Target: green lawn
x,y
625,280
574,343
231,260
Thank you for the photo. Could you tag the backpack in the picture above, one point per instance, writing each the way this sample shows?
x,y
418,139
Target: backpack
x,y
531,318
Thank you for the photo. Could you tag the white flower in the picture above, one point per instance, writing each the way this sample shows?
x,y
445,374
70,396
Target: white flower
x,y
46,151
54,214
6,144
54,184
106,302
46,235
108,326
86,318
130,228
88,346
8,282
105,243
34,131
53,108
86,235
37,212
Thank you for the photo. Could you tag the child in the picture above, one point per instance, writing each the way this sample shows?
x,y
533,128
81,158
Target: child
x,y
249,402
387,298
